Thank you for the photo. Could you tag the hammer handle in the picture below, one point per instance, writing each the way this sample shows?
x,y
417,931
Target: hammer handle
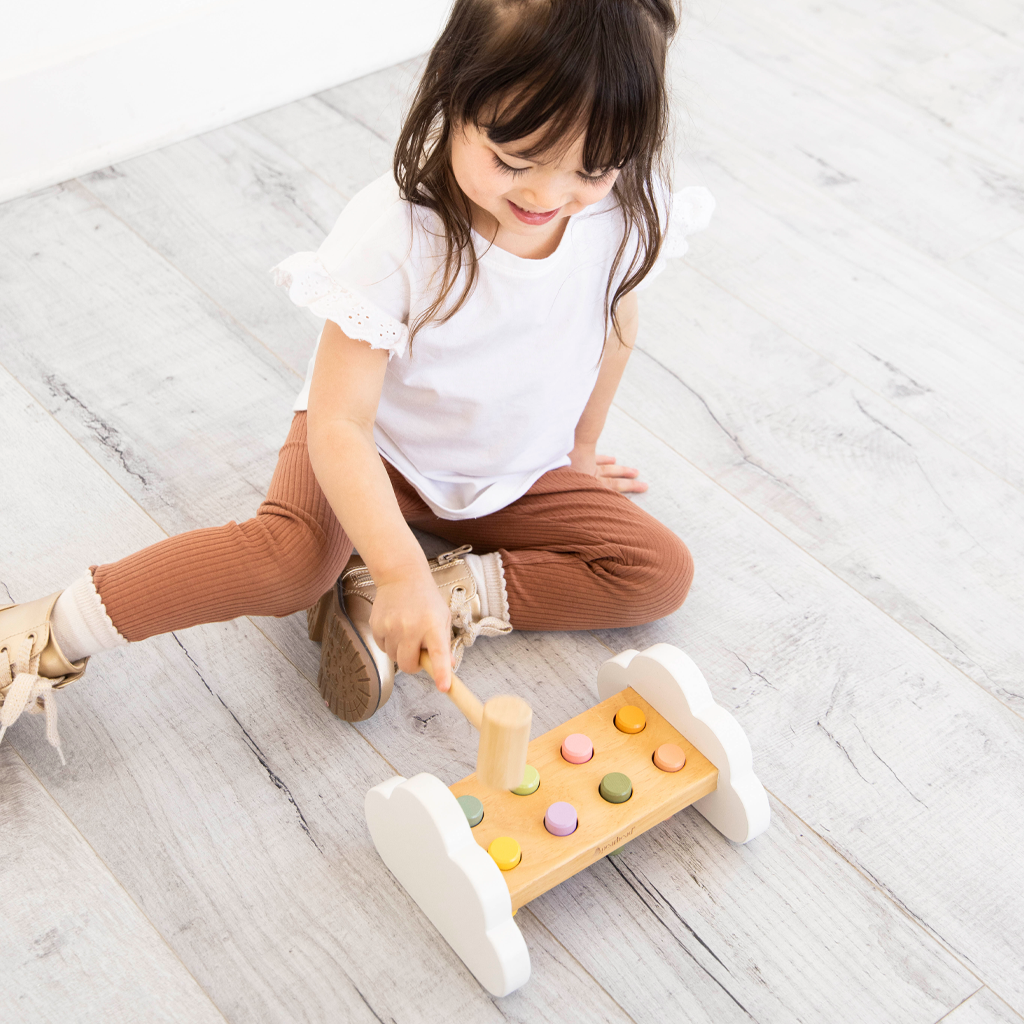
x,y
461,695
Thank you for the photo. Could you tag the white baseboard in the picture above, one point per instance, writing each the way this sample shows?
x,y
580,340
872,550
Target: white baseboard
x,y
86,104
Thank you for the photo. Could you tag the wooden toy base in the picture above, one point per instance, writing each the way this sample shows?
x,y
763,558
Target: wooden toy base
x,y
423,836
603,826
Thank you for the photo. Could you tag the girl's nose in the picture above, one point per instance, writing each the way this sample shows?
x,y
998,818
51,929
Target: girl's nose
x,y
542,201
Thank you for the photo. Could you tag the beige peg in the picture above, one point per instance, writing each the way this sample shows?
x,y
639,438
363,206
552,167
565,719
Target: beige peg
x,y
504,727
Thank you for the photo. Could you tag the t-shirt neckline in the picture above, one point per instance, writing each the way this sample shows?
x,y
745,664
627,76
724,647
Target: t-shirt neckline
x,y
490,253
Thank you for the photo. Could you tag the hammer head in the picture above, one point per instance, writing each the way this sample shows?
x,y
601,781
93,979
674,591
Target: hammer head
x,y
504,737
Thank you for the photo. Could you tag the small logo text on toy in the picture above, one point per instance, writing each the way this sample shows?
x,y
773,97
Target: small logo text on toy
x,y
602,850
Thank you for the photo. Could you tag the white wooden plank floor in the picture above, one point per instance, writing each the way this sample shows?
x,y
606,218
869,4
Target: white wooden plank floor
x,y
827,402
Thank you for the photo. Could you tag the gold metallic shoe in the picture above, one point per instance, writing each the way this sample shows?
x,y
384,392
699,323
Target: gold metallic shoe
x,y
356,677
32,665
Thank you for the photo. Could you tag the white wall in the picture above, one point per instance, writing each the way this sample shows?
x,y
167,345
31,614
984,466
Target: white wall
x,y
85,84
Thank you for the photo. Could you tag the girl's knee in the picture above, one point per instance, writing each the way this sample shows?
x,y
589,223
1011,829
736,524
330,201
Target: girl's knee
x,y
666,577
302,561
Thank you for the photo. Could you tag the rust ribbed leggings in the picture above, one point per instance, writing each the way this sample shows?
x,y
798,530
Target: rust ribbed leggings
x,y
576,556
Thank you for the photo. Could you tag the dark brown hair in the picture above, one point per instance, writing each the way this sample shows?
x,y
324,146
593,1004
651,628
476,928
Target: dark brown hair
x,y
559,67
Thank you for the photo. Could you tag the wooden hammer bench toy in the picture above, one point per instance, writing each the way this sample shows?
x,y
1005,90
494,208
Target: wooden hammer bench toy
x,y
471,856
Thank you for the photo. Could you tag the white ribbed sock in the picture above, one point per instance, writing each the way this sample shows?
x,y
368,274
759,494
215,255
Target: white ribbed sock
x,y
490,584
80,622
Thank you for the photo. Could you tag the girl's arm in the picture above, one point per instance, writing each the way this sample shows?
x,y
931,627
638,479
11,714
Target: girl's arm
x,y
408,612
617,350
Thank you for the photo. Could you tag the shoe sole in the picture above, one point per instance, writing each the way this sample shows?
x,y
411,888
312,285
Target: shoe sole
x,y
348,679
317,616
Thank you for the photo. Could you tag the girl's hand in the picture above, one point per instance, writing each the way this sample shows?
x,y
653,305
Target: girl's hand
x,y
623,479
619,478
409,615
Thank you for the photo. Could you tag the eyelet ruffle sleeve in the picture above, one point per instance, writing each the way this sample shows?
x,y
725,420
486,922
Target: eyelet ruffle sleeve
x,y
309,284
691,212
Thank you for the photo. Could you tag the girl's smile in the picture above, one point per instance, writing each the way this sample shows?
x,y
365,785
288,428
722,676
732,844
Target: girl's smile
x,y
528,217
520,202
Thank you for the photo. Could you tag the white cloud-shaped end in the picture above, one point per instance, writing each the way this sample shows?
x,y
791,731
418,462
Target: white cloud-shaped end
x,y
422,835
669,680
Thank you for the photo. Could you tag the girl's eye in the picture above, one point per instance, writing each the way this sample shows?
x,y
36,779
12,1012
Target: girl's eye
x,y
502,166
595,179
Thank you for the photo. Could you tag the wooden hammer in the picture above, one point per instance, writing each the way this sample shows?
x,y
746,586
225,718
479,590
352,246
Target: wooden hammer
x,y
504,727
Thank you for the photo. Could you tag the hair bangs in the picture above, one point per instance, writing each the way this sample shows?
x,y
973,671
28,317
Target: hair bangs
x,y
548,71
568,78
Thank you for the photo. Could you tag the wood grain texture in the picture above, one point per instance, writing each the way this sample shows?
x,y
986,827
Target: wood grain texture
x,y
190,773
204,770
998,268
855,725
339,149
872,38
921,530
892,318
977,89
666,934
194,204
378,101
982,1008
602,827
73,945
1005,16
31,438
87,303
417,730
855,143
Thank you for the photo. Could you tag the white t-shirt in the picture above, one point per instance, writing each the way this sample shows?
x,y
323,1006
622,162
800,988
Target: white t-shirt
x,y
485,404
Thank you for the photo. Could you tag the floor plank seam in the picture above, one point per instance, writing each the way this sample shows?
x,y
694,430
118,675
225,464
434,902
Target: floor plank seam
x,y
965,139
298,668
319,96
910,777
882,83
961,1003
88,454
128,896
824,196
827,568
185,277
554,938
309,170
850,375
620,871
276,779
863,873
890,897
970,14
954,268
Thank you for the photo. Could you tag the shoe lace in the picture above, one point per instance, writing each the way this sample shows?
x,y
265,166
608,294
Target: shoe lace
x,y
465,630
24,689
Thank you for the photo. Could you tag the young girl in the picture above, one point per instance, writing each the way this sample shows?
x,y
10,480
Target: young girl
x,y
480,307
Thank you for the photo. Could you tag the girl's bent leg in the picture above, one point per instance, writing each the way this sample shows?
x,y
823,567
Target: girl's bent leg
x,y
277,563
576,555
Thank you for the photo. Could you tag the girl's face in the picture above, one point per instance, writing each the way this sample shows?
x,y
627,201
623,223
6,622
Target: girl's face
x,y
529,199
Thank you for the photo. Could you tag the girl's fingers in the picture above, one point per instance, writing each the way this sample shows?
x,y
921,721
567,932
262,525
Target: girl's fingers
x,y
440,653
630,486
389,648
605,460
623,485
409,656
